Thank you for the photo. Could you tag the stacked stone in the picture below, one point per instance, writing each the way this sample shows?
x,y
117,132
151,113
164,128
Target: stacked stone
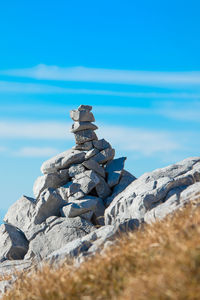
x,y
70,197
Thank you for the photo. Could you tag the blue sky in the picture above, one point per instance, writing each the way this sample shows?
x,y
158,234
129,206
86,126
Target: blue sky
x,y
136,62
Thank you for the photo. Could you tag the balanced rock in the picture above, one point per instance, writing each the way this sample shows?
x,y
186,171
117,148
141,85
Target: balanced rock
x,y
101,144
82,116
79,126
84,136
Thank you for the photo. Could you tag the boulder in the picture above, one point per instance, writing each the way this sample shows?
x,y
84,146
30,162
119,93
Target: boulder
x,y
52,180
84,136
82,116
57,234
78,126
49,204
93,165
13,244
79,207
62,161
114,169
104,156
101,144
20,214
150,190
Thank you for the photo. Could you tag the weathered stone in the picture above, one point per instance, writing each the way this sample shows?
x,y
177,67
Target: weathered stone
x,y
20,214
114,169
63,161
93,165
101,144
76,169
85,107
72,188
84,147
49,204
102,188
13,244
150,190
84,136
99,212
9,267
79,207
56,235
87,216
87,180
125,180
82,116
104,156
91,153
5,285
79,126
52,180
63,192
76,196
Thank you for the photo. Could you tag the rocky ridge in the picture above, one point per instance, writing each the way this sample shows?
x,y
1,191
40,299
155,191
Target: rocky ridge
x,y
85,198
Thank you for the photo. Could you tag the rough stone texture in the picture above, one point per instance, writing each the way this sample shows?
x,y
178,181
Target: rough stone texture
x,y
20,214
79,207
99,212
103,190
48,204
84,136
93,165
101,144
84,147
5,285
9,267
91,153
85,107
57,234
82,116
114,170
63,193
104,156
52,180
13,244
76,169
62,161
78,126
87,181
125,180
151,189
76,196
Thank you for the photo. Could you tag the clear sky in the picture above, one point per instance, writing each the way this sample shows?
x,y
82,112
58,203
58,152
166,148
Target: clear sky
x,y
136,62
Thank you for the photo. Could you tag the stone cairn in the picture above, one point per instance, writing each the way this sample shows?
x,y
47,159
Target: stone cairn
x,y
70,198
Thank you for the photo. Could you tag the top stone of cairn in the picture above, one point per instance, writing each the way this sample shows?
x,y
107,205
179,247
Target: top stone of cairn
x,y
85,107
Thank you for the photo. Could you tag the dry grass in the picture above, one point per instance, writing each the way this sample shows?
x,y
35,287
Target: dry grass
x,y
161,261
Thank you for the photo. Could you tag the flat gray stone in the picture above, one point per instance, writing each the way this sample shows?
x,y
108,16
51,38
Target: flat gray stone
x,y
82,116
20,214
151,190
76,169
76,196
57,234
87,180
52,180
79,207
104,156
84,147
91,153
93,165
13,244
85,107
114,169
63,161
101,144
78,126
49,204
84,136
102,188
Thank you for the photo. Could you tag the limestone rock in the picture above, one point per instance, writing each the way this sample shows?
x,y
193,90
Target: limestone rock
x,y
93,165
59,233
84,136
87,181
79,126
52,180
62,161
85,107
79,207
84,147
103,190
114,169
151,189
76,169
13,244
91,153
104,156
101,144
82,116
20,214
9,267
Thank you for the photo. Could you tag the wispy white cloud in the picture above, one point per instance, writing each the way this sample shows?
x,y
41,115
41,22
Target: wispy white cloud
x,y
3,149
83,74
36,152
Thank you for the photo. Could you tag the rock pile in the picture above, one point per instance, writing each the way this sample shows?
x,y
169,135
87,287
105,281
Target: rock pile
x,y
70,197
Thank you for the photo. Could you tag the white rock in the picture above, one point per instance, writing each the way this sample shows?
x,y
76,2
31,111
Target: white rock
x,y
87,180
82,116
91,153
63,161
76,169
93,165
79,207
114,169
9,267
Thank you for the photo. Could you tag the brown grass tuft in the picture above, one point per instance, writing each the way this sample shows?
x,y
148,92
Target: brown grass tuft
x,y
161,261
